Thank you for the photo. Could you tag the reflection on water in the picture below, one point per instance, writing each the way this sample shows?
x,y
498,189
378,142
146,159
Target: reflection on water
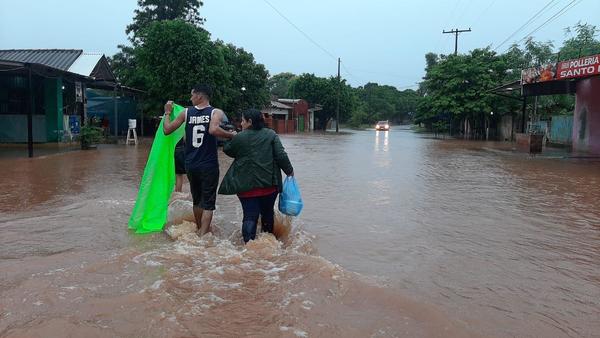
x,y
457,231
379,144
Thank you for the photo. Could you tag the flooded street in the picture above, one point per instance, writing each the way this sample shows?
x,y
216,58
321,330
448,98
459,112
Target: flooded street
x,y
401,235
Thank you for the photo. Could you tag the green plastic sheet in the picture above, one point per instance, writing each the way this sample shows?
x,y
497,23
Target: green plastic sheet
x,y
158,182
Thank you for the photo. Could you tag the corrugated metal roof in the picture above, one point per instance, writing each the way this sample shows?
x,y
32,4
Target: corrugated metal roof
x,y
85,63
279,105
56,58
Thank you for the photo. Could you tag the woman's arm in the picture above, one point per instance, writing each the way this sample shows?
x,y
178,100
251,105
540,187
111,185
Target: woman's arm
x,y
232,147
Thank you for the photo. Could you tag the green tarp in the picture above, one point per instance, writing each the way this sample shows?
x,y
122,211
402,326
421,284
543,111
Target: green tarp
x,y
151,207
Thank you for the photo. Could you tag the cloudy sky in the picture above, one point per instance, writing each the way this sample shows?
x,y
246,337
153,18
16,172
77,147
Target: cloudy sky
x,y
381,41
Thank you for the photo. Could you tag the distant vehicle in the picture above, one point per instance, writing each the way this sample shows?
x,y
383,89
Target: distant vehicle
x,y
382,125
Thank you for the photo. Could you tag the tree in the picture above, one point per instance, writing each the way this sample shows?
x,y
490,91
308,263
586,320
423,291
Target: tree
x,y
247,80
386,102
318,90
457,88
584,43
124,67
173,58
150,11
279,84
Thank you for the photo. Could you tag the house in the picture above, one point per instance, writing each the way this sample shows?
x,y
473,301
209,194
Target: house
x,y
311,115
278,117
43,92
288,115
299,113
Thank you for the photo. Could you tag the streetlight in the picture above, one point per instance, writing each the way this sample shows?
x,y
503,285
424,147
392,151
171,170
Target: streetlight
x,y
243,89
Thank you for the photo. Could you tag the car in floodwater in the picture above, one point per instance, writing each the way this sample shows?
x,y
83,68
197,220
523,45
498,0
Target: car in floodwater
x,y
382,125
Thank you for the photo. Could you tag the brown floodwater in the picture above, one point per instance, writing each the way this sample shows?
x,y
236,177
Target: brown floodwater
x,y
402,235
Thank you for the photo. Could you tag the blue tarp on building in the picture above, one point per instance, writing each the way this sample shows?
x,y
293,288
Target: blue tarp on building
x,y
101,104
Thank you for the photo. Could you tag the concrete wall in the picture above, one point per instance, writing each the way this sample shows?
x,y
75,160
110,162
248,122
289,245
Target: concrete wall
x,y
586,120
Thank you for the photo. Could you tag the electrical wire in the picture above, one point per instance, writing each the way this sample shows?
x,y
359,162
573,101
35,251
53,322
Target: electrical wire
x,y
562,11
300,30
572,4
536,15
478,18
317,44
437,45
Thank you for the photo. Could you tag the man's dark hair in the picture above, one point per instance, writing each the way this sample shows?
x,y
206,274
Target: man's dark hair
x,y
203,89
258,121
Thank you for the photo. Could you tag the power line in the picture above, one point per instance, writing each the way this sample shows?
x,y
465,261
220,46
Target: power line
x,y
525,24
464,11
478,18
299,30
357,79
378,73
450,17
316,43
562,11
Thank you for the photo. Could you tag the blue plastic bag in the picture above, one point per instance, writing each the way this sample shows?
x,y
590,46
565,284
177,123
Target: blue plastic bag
x,y
290,201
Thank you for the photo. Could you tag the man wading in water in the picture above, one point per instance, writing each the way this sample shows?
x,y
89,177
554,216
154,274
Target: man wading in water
x,y
202,127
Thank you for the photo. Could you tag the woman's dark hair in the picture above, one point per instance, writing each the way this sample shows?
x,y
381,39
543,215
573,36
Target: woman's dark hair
x,y
258,121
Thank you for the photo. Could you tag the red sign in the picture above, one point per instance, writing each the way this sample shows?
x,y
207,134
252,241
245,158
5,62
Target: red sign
x,y
582,67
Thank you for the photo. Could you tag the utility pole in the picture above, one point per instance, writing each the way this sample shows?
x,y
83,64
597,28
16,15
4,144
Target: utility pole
x,y
337,113
30,108
455,32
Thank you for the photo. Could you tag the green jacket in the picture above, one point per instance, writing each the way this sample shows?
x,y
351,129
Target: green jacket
x,y
259,158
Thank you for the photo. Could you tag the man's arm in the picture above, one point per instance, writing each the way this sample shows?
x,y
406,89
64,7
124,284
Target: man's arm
x,y
215,125
168,125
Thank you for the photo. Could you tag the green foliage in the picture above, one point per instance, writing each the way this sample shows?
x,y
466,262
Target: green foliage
x,y
90,135
279,84
318,90
173,58
247,80
175,55
170,53
584,43
439,127
360,116
150,11
458,87
387,103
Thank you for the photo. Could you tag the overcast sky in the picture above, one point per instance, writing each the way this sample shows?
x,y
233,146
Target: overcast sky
x,y
381,41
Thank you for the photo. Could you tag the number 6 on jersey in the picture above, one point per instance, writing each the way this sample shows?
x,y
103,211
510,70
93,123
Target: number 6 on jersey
x,y
198,135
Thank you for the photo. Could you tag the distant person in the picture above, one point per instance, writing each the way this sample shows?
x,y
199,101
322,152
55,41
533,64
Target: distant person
x,y
105,126
255,174
202,127
179,165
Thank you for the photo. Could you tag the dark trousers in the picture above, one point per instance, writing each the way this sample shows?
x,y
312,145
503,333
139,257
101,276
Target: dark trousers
x,y
253,207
